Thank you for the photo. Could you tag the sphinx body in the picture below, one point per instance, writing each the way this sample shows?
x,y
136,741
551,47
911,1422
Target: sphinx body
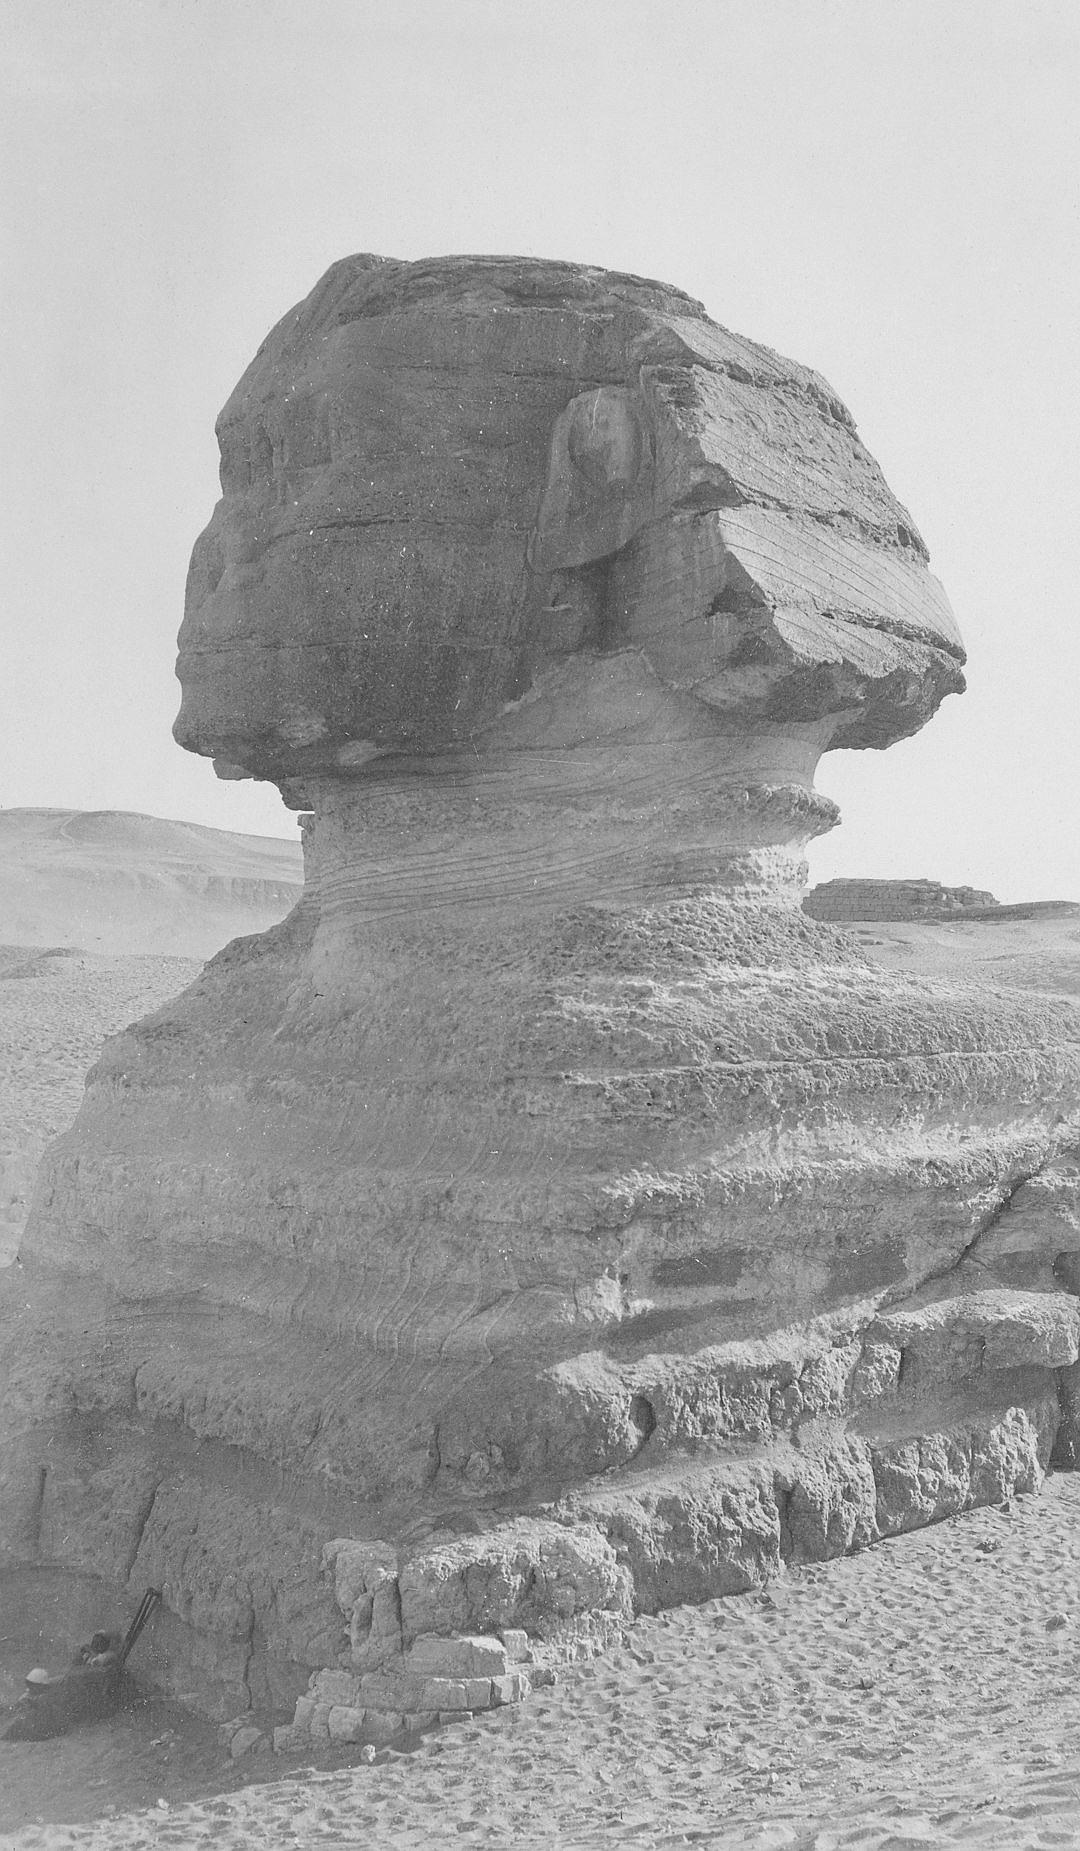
x,y
548,1220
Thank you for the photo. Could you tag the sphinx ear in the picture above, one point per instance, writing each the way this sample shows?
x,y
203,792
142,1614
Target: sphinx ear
x,y
600,479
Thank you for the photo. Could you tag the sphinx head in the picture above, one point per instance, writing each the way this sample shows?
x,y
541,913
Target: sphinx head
x,y
487,503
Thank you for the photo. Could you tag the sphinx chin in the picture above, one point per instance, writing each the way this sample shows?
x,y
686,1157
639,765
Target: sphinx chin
x,y
549,1220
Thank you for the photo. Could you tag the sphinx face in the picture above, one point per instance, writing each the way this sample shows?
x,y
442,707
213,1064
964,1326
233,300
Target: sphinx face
x,y
444,492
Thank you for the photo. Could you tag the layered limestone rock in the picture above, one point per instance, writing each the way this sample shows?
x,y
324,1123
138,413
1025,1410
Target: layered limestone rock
x,y
898,899
548,1220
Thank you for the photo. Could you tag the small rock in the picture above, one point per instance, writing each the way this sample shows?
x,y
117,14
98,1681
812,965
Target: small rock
x,y
367,1754
1057,1621
987,1546
244,1741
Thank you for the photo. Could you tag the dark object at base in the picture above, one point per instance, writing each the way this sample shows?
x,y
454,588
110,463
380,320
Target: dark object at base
x,y
83,1693
89,1690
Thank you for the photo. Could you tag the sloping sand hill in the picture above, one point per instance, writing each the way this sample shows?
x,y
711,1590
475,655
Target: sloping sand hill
x,y
57,1006
103,916
126,885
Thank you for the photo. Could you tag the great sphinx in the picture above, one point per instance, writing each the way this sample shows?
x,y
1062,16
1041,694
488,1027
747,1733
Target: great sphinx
x,y
549,1220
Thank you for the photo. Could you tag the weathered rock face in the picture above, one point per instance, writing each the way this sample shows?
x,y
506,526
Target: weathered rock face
x,y
895,899
454,493
549,1217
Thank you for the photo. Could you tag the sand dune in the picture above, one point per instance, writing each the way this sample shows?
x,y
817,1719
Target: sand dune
x,y
113,882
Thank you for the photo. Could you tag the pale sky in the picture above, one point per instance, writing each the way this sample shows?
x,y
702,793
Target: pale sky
x,y
887,190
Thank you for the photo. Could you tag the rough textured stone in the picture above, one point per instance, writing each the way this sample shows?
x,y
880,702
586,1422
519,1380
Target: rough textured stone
x,y
346,1724
246,1740
336,1687
433,1655
443,1693
381,1727
419,1721
894,899
549,1158
442,481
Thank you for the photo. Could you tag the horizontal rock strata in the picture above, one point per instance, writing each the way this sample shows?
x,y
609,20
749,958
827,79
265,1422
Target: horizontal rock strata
x,y
549,1220
894,899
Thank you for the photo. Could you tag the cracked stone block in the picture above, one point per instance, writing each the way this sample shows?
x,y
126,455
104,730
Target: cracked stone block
x,y
983,1460
510,1688
471,1656
319,1724
443,1693
831,1506
1043,1330
449,1716
347,1724
478,1693
381,1726
516,1641
382,1692
332,1687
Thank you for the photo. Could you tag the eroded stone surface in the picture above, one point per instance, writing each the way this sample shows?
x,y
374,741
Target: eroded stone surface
x,y
895,899
442,482
548,1220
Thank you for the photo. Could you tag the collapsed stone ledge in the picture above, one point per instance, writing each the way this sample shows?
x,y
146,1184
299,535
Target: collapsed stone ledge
x,y
718,1527
442,1679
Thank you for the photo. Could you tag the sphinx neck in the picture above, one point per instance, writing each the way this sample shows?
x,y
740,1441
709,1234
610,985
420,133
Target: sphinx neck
x,y
613,826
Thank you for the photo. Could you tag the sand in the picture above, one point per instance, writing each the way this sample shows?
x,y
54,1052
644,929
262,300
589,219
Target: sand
x,y
1029,954
115,882
56,1009
925,1692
